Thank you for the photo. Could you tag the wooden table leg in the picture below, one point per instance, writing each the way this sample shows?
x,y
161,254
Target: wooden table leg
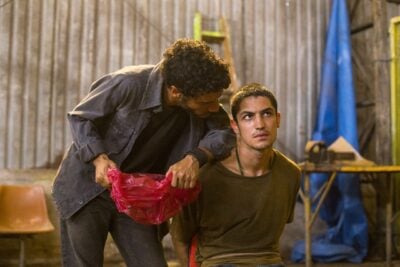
x,y
307,219
389,212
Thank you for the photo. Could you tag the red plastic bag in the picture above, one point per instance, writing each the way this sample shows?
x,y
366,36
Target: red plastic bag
x,y
148,198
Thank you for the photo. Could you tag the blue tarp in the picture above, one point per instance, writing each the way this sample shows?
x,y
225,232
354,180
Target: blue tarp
x,y
347,234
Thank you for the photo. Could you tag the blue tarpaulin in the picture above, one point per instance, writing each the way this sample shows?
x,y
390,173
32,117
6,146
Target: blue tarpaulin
x,y
347,234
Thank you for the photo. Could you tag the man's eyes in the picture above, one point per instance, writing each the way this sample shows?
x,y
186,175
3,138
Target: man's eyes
x,y
247,117
268,113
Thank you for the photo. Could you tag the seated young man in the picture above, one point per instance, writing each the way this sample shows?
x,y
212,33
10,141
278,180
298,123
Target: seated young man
x,y
246,199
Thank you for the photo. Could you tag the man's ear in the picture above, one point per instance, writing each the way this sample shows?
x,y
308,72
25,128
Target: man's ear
x,y
174,95
234,126
278,119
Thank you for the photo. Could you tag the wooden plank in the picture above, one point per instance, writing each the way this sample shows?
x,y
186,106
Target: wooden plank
x,y
128,32
45,85
17,88
209,22
362,69
393,10
228,57
214,10
381,81
141,29
258,27
229,20
30,118
301,70
281,74
270,31
179,7
362,57
191,9
60,77
102,38
167,26
116,37
312,66
203,7
248,41
6,25
290,88
380,44
88,47
74,64
237,37
157,23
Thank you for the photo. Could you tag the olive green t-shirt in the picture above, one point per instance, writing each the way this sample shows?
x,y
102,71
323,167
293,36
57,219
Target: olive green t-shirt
x,y
238,219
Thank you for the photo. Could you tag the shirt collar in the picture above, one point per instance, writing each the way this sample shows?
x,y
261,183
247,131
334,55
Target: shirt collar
x,y
152,97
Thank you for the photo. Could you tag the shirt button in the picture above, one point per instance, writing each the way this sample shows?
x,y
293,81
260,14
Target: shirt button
x,y
80,202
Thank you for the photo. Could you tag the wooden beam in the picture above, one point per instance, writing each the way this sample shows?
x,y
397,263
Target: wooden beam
x,y
364,71
353,9
381,67
381,85
362,27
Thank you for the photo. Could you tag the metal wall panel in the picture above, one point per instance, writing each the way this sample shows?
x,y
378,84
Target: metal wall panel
x,y
51,51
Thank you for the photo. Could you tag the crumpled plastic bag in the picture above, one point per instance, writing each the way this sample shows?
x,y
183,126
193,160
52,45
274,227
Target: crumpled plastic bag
x,y
148,198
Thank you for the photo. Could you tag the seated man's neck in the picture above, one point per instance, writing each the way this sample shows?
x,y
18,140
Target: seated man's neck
x,y
249,162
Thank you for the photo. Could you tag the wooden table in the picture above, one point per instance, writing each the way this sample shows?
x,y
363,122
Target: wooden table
x,y
309,216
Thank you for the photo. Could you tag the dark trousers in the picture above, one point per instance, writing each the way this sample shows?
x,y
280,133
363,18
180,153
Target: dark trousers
x,y
83,237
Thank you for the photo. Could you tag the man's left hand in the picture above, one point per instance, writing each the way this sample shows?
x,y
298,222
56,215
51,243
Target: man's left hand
x,y
185,172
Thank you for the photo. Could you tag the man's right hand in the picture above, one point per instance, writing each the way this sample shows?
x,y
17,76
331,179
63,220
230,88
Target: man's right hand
x,y
102,164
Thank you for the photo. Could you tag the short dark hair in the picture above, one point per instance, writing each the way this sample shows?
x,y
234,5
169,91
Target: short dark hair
x,y
252,89
193,68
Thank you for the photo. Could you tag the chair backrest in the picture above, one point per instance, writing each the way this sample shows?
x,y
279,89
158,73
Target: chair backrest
x,y
23,210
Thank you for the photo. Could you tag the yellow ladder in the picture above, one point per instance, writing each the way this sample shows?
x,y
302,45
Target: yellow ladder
x,y
220,36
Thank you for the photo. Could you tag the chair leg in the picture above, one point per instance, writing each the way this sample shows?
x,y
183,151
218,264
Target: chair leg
x,y
22,252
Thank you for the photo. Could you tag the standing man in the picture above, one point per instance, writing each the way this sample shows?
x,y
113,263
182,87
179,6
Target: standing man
x,y
162,118
246,199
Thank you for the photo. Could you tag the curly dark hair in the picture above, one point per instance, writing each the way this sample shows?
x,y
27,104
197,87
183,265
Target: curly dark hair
x,y
252,89
193,68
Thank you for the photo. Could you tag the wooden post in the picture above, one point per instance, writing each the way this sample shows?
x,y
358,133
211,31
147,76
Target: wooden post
x,y
307,219
381,59
381,85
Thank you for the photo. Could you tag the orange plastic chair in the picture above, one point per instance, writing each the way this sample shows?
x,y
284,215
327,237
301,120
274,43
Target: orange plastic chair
x,y
23,212
192,252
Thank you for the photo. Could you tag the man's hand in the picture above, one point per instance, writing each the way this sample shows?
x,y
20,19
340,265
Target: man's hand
x,y
185,172
102,164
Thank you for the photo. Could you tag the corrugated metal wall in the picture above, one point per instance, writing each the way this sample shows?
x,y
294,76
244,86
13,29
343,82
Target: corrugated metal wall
x,y
51,51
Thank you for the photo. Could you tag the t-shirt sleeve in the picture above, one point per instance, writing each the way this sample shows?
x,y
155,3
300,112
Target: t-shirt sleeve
x,y
296,174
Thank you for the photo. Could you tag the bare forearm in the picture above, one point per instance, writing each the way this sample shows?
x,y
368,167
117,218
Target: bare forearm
x,y
182,252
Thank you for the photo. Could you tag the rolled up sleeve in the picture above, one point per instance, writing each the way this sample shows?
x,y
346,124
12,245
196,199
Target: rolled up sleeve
x,y
219,138
85,118
219,143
